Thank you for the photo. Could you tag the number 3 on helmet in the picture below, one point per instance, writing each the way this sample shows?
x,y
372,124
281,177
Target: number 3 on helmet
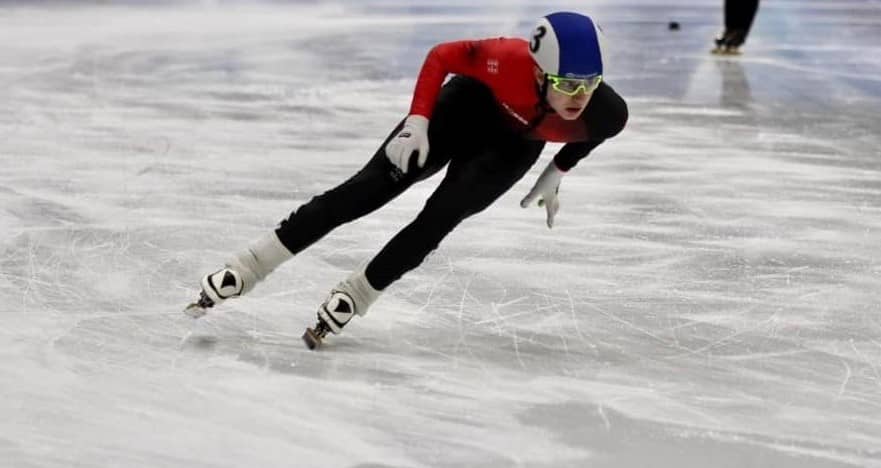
x,y
568,47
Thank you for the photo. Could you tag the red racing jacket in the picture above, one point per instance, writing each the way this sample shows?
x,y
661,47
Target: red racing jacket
x,y
506,67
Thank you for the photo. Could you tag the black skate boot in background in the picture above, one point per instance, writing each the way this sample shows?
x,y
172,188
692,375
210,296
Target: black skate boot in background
x,y
729,42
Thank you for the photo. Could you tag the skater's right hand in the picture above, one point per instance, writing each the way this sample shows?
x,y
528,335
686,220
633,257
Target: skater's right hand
x,y
546,190
412,139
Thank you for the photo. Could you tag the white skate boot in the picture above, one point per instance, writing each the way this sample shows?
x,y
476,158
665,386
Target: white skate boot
x,y
349,297
216,288
240,274
333,315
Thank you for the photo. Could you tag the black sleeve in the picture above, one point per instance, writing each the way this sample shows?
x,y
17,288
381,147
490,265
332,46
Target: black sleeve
x,y
605,116
571,153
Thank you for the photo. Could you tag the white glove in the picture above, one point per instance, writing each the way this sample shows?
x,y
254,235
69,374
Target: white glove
x,y
545,189
413,138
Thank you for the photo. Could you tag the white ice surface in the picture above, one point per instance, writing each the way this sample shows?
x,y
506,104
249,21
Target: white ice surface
x,y
709,296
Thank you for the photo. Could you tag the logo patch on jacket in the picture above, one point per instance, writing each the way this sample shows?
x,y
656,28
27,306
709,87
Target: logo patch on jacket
x,y
492,66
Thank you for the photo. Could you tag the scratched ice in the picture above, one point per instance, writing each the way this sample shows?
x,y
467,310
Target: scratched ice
x,y
709,297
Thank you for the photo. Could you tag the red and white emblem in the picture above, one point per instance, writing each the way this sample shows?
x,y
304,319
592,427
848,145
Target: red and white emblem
x,y
492,66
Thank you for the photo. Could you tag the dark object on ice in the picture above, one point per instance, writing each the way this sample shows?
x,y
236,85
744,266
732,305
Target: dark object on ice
x,y
673,26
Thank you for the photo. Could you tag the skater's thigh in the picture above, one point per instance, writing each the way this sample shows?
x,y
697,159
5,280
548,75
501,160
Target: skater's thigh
x,y
466,123
384,177
466,119
472,184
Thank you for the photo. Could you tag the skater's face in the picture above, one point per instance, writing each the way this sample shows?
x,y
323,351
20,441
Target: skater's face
x,y
568,97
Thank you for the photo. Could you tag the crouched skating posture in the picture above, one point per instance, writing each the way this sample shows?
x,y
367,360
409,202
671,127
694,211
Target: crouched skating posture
x,y
488,124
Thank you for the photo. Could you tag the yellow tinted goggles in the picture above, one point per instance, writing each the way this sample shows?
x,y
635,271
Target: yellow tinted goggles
x,y
573,86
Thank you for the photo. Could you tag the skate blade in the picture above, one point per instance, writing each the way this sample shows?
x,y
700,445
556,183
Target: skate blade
x,y
725,52
312,340
195,311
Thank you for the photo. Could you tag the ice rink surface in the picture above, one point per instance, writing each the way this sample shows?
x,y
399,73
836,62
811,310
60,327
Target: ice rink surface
x,y
709,296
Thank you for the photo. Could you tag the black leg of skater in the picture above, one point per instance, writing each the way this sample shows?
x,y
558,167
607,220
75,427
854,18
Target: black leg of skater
x,y
461,106
739,16
469,187
467,127
377,183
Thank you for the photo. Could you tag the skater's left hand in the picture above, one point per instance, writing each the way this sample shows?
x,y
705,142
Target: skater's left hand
x,y
546,190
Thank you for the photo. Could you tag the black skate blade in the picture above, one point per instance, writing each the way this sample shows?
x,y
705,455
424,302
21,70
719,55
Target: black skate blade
x,y
727,52
311,338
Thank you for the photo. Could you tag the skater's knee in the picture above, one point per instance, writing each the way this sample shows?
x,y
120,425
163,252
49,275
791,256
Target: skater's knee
x,y
315,215
440,217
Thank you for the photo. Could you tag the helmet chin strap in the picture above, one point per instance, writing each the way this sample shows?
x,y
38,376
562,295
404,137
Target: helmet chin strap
x,y
543,92
543,104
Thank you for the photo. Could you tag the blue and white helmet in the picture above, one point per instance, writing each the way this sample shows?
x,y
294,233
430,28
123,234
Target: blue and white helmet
x,y
568,45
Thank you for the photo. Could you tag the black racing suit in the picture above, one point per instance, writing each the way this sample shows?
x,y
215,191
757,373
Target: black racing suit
x,y
486,157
